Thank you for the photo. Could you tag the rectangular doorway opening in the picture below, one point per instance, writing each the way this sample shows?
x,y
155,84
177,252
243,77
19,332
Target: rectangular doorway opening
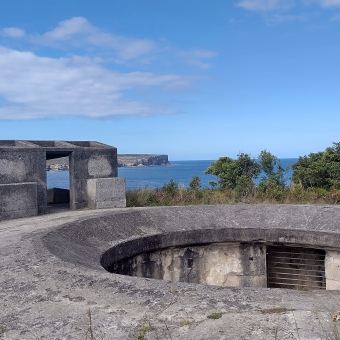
x,y
58,182
295,268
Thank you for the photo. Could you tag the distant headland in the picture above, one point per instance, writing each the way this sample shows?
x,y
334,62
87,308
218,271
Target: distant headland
x,y
142,160
126,160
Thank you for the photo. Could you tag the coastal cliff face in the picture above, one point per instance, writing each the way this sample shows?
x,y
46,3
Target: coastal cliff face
x,y
127,160
142,160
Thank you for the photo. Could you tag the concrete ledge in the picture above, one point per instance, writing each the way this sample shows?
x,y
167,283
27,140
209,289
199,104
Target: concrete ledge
x,y
18,200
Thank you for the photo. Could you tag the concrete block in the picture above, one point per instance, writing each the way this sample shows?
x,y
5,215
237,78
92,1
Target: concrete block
x,y
332,265
58,196
18,200
106,193
332,284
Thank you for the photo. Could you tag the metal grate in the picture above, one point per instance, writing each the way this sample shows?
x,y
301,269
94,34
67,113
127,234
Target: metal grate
x,y
295,268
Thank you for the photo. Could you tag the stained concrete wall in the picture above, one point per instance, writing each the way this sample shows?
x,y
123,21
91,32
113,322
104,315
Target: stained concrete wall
x,y
18,200
332,270
25,165
88,164
221,264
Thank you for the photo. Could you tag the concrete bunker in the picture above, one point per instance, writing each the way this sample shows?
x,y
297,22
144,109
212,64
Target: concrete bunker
x,y
93,176
236,245
54,263
233,257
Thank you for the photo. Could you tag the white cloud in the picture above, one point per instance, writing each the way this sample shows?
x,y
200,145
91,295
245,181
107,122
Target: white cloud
x,y
282,5
38,87
85,84
327,3
79,31
13,32
266,5
194,57
279,18
336,17
199,64
68,28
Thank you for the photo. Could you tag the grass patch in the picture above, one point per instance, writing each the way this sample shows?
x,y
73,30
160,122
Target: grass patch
x,y
144,330
173,194
214,316
185,322
3,330
278,310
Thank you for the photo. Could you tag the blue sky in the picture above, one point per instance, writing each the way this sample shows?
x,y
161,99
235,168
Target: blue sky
x,y
191,79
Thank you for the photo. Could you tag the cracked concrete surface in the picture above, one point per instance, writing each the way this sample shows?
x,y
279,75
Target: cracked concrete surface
x,y
51,276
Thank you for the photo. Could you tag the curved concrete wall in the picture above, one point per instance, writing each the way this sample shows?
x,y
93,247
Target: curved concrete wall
x,y
218,264
101,241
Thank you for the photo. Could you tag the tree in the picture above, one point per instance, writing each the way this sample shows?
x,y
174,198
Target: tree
x,y
195,183
239,174
271,167
319,170
272,183
171,188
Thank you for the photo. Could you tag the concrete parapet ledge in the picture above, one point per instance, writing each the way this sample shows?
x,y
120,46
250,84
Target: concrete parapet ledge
x,y
52,274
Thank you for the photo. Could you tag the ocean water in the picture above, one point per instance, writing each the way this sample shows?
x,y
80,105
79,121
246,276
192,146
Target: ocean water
x,y
156,176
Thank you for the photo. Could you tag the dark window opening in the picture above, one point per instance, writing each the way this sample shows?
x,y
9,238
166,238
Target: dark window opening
x,y
190,263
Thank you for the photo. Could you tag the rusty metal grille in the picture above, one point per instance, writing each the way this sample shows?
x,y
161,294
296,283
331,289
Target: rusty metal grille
x,y
295,268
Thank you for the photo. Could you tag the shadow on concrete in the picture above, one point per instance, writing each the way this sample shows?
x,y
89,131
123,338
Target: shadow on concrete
x,y
57,208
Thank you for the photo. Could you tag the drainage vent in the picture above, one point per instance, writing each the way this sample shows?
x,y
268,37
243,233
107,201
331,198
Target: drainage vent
x,y
295,268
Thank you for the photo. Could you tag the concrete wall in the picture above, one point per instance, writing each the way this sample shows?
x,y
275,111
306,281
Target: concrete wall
x,y
221,264
18,200
22,166
88,164
332,270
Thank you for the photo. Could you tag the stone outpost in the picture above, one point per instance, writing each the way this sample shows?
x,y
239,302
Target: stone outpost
x,y
93,176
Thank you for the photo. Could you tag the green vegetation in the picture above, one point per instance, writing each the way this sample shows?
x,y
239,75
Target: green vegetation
x,y
214,316
315,179
239,174
144,330
319,170
278,310
3,329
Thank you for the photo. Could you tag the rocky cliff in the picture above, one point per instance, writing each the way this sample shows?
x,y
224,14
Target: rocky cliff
x,y
128,160
142,160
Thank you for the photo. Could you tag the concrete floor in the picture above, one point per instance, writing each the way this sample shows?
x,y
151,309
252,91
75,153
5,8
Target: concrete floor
x,y
47,291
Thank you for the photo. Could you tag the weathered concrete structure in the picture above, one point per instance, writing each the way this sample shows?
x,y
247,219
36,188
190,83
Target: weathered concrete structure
x,y
53,272
221,264
23,176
